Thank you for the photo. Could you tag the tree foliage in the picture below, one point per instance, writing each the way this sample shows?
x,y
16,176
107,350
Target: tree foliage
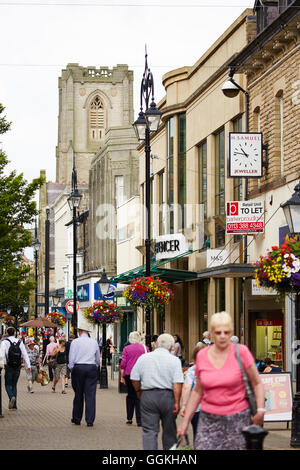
x,y
17,212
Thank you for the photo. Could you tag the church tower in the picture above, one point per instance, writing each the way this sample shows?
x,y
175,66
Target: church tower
x,y
91,100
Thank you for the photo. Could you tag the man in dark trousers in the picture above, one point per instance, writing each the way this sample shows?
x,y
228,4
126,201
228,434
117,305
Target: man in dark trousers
x,y
84,360
12,364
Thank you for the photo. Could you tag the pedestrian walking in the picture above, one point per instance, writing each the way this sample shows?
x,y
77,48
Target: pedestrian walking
x,y
109,349
68,344
178,347
60,370
49,350
35,363
221,390
84,360
130,355
189,384
157,378
205,338
13,352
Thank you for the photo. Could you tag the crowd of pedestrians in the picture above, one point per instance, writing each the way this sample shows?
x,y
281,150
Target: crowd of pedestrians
x,y
208,393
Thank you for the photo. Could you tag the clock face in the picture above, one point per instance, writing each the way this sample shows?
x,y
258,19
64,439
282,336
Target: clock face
x,y
245,154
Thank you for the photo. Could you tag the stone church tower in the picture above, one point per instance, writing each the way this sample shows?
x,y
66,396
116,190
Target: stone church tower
x,y
91,101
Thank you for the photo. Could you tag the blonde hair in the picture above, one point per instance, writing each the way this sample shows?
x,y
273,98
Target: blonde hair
x,y
220,318
134,337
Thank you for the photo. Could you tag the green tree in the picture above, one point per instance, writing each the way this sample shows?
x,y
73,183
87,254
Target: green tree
x,y
17,212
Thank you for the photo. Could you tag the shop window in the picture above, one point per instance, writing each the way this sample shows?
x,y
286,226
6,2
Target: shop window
x,y
269,338
170,178
181,169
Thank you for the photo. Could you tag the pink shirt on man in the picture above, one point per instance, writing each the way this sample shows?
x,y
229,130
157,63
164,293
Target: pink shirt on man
x,y
223,389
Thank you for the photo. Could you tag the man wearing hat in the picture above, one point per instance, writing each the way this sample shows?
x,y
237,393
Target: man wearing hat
x,y
84,360
35,363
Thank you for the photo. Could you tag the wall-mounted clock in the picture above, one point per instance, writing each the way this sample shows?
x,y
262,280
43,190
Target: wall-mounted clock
x,y
245,154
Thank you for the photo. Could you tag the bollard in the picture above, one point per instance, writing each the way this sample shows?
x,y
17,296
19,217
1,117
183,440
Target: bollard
x,y
1,415
254,436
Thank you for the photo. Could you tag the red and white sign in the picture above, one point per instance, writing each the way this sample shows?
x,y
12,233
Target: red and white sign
x,y
70,306
245,217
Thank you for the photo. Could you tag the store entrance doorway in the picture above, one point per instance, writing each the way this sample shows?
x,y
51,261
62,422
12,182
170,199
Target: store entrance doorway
x,y
269,340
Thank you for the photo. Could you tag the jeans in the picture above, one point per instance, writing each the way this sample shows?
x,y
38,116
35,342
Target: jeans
x,y
11,378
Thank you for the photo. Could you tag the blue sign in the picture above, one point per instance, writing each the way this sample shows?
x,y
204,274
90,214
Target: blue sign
x,y
110,294
83,293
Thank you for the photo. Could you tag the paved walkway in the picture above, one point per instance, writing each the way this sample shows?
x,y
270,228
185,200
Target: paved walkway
x,y
43,422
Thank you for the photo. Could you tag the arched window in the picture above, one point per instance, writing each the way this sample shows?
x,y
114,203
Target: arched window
x,y
96,119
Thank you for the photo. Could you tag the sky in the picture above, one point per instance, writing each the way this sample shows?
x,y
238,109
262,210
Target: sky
x,y
39,38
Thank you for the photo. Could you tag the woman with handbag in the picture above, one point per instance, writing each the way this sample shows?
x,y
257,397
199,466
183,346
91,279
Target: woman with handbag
x,y
223,370
60,370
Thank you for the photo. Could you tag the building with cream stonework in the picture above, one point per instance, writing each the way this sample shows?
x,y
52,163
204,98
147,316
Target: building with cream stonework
x,y
189,186
190,183
94,125
271,66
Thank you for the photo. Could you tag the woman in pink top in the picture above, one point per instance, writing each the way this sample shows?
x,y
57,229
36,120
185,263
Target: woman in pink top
x,y
130,355
220,389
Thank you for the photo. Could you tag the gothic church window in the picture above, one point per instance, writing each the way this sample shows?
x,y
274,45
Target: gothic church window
x,y
96,119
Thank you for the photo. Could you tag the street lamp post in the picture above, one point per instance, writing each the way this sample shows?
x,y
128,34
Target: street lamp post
x,y
47,260
36,246
103,285
74,202
147,123
231,89
291,209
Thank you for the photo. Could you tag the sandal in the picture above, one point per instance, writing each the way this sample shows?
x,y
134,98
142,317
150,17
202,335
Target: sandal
x,y
53,389
63,391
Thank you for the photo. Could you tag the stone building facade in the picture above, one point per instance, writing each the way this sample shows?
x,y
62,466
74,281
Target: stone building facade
x,y
94,124
271,65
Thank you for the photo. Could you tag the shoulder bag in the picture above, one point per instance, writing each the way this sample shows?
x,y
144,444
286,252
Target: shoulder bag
x,y
250,395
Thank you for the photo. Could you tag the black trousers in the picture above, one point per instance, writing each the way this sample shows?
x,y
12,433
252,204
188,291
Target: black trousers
x,y
132,401
84,383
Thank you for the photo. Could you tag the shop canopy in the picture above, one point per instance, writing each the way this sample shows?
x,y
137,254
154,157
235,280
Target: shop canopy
x,y
228,270
166,274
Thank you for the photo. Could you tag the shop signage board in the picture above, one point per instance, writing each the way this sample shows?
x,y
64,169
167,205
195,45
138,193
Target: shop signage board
x,y
245,217
262,290
215,258
170,246
245,154
278,396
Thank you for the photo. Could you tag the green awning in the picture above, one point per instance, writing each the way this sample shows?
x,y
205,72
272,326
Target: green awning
x,y
169,275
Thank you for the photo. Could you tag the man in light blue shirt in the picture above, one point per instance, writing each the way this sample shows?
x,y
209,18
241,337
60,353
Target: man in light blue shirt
x,y
84,360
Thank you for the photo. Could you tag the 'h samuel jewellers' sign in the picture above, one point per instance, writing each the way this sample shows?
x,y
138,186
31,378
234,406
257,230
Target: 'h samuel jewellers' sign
x,y
169,246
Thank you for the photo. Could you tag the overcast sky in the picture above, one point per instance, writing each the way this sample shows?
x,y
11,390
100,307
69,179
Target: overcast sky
x,y
38,38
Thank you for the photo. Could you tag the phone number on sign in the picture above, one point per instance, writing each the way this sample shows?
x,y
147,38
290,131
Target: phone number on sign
x,y
245,226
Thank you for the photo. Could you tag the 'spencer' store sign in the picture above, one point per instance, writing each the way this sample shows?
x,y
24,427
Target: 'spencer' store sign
x,y
170,246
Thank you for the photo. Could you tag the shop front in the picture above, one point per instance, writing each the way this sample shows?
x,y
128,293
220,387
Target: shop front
x,y
266,326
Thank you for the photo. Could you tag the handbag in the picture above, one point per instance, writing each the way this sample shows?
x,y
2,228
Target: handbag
x,y
250,395
52,362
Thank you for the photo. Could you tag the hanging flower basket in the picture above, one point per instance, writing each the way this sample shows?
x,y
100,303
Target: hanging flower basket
x,y
149,292
280,268
102,311
56,317
8,320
